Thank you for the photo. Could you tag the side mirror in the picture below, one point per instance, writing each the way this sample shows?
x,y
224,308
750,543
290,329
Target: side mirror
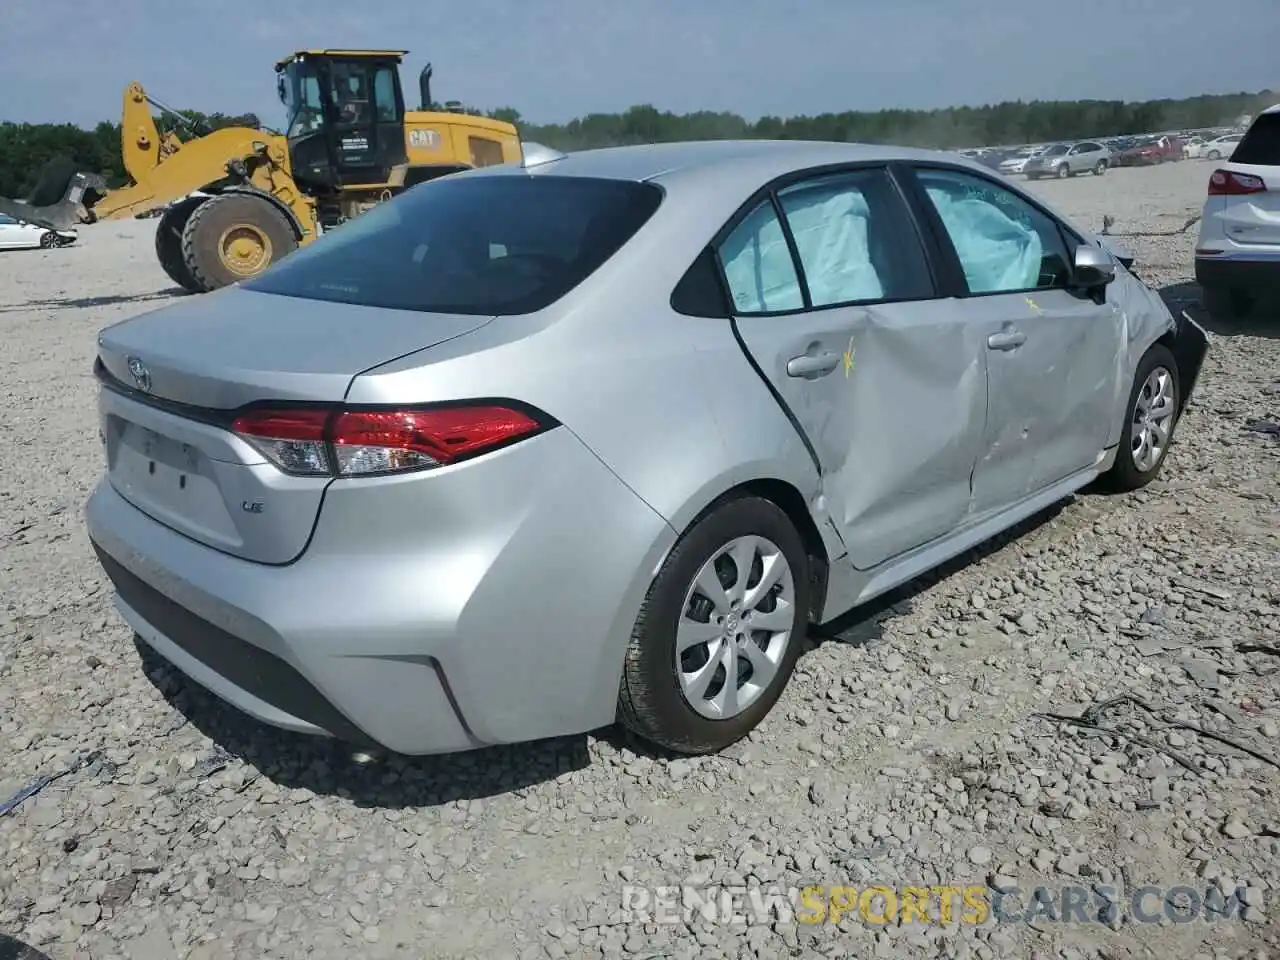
x,y
1093,266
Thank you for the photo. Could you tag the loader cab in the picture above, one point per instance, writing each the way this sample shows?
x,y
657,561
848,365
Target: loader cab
x,y
345,116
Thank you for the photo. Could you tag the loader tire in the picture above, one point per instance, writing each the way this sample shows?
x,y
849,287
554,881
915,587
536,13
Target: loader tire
x,y
169,244
234,237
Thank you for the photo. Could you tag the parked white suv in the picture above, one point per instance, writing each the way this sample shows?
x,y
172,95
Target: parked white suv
x,y
1238,249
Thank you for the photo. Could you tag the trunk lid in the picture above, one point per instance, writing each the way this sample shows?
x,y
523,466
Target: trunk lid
x,y
225,349
173,375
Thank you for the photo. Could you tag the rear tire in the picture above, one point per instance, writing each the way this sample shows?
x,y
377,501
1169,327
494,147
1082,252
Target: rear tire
x,y
234,237
169,243
1215,155
654,699
1155,383
1100,168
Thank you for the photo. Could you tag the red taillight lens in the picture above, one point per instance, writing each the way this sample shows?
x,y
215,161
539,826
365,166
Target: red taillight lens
x,y
370,442
1227,183
384,441
294,440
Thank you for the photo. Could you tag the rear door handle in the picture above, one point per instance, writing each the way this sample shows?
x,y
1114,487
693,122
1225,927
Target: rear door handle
x,y
1009,340
812,365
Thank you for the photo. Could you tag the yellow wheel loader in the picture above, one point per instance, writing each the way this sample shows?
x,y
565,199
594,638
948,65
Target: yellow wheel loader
x,y
236,200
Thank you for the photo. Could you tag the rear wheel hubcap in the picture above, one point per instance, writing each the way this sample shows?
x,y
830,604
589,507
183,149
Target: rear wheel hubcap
x,y
735,627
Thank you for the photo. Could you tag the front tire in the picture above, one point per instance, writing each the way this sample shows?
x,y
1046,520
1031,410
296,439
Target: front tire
x,y
1063,172
1151,415
48,240
234,237
719,632
1215,155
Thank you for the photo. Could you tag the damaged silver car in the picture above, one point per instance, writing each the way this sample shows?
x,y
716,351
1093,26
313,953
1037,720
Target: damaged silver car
x,y
528,450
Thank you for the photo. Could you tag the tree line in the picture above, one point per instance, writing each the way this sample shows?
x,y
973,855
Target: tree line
x,y
25,148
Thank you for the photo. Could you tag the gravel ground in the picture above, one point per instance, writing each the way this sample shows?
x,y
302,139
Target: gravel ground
x,y
907,750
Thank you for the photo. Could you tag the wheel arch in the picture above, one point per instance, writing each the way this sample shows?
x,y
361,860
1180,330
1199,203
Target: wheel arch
x,y
787,498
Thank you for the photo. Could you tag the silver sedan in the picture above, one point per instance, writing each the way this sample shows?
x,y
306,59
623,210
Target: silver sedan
x,y
529,450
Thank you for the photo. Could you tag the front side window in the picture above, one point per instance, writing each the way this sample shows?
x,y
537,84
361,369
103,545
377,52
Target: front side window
x,y
1004,244
473,245
758,268
855,240
302,93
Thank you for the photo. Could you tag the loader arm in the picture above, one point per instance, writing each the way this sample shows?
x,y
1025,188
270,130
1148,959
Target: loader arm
x,y
164,168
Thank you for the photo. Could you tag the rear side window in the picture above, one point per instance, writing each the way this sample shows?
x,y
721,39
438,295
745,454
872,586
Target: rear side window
x,y
758,268
493,245
855,240
1261,144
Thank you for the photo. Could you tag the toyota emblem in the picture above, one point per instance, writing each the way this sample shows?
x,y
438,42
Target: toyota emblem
x,y
141,375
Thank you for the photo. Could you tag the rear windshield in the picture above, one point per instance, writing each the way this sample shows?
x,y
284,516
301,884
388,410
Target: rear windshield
x,y
1262,142
492,245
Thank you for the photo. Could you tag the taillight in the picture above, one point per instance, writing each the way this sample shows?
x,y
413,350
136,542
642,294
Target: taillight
x,y
1228,183
294,440
349,443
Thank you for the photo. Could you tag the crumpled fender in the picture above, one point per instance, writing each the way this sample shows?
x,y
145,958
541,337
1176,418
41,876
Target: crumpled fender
x,y
1146,320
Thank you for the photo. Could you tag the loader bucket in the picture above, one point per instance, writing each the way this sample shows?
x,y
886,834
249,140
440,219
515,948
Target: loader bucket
x,y
62,197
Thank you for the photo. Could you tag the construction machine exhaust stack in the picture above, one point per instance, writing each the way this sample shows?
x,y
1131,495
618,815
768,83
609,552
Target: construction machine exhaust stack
x,y
424,88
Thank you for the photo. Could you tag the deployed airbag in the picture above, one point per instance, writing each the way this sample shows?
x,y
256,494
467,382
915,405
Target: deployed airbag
x,y
996,251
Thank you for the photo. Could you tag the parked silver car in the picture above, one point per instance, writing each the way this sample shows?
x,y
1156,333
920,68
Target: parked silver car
x,y
525,451
1068,159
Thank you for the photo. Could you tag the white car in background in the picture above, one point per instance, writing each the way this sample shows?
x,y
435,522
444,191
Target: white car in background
x,y
1220,147
1238,249
16,235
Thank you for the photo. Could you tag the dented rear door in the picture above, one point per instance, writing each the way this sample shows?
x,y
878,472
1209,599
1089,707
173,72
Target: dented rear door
x,y
889,396
896,426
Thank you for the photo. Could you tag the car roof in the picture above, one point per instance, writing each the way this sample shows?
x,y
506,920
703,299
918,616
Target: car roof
x,y
752,160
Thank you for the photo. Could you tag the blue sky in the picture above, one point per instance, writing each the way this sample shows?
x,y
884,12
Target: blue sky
x,y
557,59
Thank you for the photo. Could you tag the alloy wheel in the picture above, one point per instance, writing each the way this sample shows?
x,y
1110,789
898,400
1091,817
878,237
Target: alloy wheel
x,y
735,627
1153,411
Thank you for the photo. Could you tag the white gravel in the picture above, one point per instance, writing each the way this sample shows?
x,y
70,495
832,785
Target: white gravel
x,y
909,753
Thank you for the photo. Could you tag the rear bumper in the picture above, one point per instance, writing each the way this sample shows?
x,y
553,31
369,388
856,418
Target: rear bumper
x,y
1240,270
485,603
